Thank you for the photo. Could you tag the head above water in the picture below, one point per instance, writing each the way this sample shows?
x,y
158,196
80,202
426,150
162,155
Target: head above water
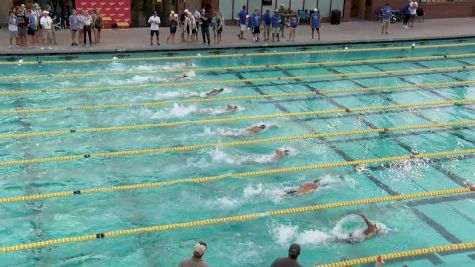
x,y
262,126
316,181
220,89
294,251
199,249
286,152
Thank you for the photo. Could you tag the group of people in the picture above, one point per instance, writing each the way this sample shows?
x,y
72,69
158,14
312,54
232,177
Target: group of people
x,y
33,26
409,12
275,24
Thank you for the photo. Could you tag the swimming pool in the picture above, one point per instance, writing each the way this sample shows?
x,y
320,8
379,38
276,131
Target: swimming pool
x,y
90,124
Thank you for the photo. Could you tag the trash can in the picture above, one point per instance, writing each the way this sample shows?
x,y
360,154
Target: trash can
x,y
335,17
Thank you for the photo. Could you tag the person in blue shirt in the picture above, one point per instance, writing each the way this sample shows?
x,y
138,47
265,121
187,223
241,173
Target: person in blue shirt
x,y
242,22
386,14
256,25
276,20
407,15
267,25
294,22
315,22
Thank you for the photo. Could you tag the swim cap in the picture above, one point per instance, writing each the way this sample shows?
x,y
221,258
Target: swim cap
x,y
200,248
316,181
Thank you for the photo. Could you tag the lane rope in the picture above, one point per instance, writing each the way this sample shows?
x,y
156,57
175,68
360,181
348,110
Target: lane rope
x,y
228,68
231,81
231,119
402,254
231,98
256,54
210,179
232,219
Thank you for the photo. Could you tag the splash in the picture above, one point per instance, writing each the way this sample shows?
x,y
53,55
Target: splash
x,y
239,132
177,111
218,155
284,234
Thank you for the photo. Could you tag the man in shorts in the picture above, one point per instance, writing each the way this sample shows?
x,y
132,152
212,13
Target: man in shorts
x,y
386,13
315,22
267,19
276,21
74,26
256,25
242,22
32,27
154,21
22,27
13,28
413,5
47,25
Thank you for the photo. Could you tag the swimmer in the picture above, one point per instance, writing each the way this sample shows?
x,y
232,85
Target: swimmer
x,y
232,107
187,64
304,188
181,77
361,168
280,153
214,92
358,235
256,128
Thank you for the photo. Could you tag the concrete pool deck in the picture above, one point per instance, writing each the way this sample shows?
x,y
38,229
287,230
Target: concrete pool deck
x,y
138,39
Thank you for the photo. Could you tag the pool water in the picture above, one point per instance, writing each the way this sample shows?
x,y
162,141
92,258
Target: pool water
x,y
406,225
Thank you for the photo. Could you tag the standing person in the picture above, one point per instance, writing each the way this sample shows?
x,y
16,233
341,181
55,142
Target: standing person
x,y
81,26
154,22
294,22
220,27
47,24
188,27
174,23
276,22
38,14
283,15
407,15
291,259
13,28
386,13
215,23
256,26
74,26
197,257
97,26
413,10
22,26
87,20
267,25
32,27
183,26
315,22
194,28
54,18
197,17
242,22
205,22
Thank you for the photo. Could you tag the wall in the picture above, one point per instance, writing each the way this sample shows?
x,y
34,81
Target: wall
x,y
5,7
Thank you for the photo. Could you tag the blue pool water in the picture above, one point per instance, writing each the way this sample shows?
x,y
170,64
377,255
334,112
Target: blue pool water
x,y
406,225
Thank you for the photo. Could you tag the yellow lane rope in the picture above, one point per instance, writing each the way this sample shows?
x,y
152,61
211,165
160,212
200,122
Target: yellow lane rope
x,y
232,219
226,68
401,254
231,98
232,119
262,54
221,82
210,179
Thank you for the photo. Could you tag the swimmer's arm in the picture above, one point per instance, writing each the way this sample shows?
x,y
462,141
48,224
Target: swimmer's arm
x,y
370,227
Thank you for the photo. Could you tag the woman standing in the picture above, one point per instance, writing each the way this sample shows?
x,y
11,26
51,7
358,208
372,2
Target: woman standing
x,y
294,22
174,23
97,26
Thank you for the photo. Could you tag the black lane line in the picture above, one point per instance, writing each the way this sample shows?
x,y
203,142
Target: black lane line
x,y
472,256
438,200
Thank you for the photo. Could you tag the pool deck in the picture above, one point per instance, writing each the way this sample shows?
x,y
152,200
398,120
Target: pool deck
x,y
137,39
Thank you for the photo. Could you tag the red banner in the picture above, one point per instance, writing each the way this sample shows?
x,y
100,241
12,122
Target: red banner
x,y
118,10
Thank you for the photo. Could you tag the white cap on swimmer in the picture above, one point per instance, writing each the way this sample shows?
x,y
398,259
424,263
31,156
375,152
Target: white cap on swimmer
x,y
200,248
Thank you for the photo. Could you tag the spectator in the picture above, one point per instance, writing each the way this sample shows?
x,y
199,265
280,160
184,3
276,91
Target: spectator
x,y
22,26
293,23
32,28
205,22
413,10
37,14
81,26
242,22
283,15
386,13
47,23
267,19
197,257
291,260
276,22
315,22
87,20
194,28
97,26
174,23
74,26
54,18
256,26
154,22
188,26
13,28
407,15
183,26
197,17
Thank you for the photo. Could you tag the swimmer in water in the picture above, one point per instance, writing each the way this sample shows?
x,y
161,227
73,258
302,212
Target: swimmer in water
x,y
232,107
187,64
280,153
215,92
304,188
256,128
181,77
358,235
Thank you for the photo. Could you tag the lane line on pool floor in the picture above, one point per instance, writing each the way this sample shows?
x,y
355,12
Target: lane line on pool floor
x,y
233,219
442,85
231,81
245,67
401,254
208,179
233,119
287,53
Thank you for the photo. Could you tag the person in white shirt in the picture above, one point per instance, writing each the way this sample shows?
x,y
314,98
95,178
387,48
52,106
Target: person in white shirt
x,y
87,20
413,11
47,24
13,28
188,25
81,26
154,21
